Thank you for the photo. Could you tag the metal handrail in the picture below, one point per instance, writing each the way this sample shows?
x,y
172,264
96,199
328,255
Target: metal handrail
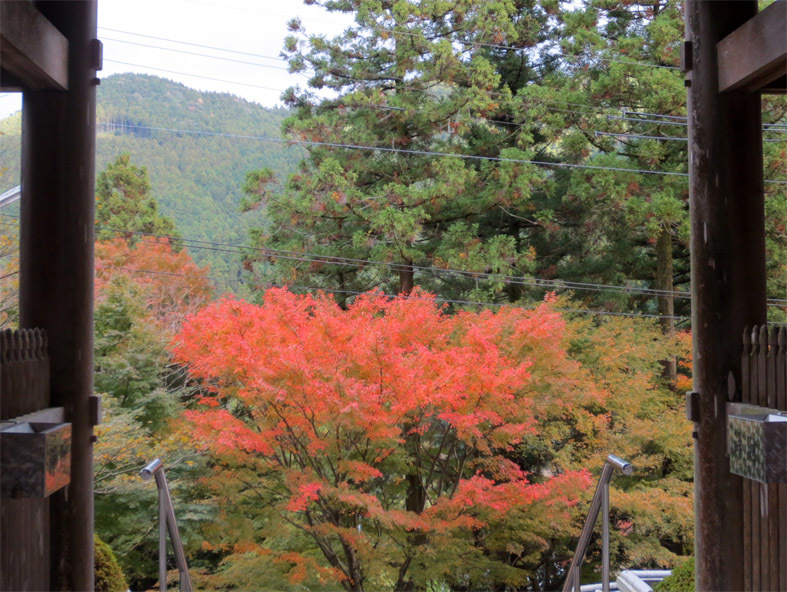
x,y
600,502
167,522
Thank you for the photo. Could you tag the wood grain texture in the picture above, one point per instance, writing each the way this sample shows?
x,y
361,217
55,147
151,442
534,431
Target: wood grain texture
x,y
24,536
754,56
32,50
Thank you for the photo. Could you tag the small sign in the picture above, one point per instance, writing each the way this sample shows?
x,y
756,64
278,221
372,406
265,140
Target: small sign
x,y
36,459
757,445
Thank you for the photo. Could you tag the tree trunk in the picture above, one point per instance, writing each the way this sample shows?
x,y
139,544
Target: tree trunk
x,y
406,280
414,502
666,301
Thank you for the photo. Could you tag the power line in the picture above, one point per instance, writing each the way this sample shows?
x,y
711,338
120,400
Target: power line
x,y
357,293
336,260
435,298
771,127
417,152
388,107
203,55
193,75
156,272
640,137
314,258
477,303
406,151
680,117
360,263
662,115
8,275
671,138
767,127
380,30
511,280
256,55
461,42
636,119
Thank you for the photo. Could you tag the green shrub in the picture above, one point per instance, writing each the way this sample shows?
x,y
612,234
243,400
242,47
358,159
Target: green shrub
x,y
681,580
108,576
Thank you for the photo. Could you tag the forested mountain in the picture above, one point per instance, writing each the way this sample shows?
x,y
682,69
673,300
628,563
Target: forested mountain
x,y
195,178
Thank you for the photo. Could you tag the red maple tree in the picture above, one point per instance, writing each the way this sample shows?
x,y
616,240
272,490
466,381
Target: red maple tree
x,y
380,432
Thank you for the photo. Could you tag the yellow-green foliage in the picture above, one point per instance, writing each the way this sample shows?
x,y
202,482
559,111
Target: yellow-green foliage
x,y
108,577
681,580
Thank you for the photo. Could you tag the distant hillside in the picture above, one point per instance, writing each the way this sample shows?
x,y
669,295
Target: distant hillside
x,y
195,178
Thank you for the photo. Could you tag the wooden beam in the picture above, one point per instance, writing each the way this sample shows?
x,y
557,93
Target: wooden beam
x,y
755,54
9,83
777,87
32,50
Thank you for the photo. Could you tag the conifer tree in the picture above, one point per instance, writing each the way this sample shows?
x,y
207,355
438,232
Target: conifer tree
x,y
409,80
124,202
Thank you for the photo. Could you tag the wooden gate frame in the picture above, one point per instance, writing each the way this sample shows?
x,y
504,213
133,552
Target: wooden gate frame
x,y
49,51
732,54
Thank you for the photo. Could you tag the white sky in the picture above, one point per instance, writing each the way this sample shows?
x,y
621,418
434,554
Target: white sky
x,y
251,26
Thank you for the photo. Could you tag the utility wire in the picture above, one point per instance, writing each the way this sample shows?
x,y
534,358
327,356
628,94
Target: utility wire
x,y
473,302
417,152
193,75
636,119
459,41
360,263
315,258
336,260
387,107
598,109
511,280
406,151
767,127
662,115
156,272
255,55
435,299
8,275
202,55
568,56
640,137
280,58
672,138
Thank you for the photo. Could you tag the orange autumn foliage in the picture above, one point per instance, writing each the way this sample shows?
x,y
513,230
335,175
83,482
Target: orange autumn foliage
x,y
175,286
380,429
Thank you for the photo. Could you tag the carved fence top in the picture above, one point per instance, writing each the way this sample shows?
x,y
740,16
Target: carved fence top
x,y
23,345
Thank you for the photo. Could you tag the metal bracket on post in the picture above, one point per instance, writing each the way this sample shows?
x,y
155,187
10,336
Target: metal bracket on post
x,y
600,502
693,411
167,522
686,56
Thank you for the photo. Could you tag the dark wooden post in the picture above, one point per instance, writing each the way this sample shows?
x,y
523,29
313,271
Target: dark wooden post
x,y
56,278
728,274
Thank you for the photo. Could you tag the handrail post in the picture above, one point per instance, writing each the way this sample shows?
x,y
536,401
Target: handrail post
x,y
167,522
600,498
162,543
605,537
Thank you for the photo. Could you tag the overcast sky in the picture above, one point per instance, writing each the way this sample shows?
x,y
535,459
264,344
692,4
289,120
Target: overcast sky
x,y
256,27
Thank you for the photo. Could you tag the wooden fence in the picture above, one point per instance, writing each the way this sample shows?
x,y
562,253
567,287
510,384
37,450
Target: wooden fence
x,y
24,388
24,375
764,383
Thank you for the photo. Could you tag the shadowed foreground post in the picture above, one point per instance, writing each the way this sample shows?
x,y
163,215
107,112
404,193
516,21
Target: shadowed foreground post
x,y
56,278
728,275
